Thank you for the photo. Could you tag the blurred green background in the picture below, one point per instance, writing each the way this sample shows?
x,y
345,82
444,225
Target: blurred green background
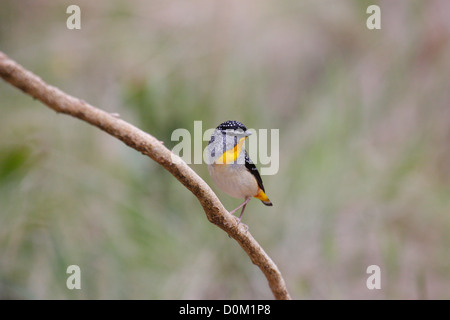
x,y
364,120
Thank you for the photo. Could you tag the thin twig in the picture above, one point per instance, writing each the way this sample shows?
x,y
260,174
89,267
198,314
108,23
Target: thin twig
x,y
148,145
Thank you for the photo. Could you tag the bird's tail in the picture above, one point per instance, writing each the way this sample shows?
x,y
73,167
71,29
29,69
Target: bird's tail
x,y
264,199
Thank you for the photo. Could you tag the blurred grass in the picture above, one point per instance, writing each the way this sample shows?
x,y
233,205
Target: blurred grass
x,y
364,125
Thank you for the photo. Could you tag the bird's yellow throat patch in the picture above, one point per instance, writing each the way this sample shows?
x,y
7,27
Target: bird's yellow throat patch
x,y
231,155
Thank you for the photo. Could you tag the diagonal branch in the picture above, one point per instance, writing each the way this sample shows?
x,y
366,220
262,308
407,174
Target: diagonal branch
x,y
148,145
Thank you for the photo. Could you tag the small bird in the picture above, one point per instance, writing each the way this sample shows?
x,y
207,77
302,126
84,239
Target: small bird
x,y
230,166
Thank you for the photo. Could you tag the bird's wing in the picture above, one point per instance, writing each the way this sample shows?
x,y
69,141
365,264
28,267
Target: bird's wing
x,y
250,166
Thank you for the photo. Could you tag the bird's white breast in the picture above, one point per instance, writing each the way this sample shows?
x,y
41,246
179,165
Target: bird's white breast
x,y
234,179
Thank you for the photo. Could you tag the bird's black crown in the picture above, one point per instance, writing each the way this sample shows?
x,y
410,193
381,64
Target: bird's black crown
x,y
231,125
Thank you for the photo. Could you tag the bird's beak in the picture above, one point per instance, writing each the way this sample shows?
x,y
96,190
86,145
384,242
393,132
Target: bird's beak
x,y
247,133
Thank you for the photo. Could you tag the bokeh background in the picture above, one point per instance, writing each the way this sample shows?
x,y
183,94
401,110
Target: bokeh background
x,y
364,120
